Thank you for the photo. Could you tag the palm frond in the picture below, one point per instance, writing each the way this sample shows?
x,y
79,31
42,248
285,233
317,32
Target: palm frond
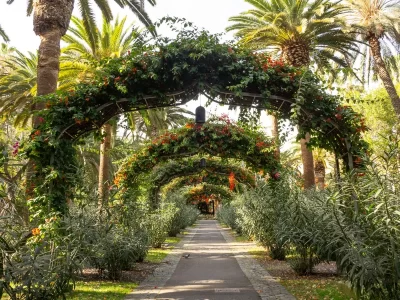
x,y
3,35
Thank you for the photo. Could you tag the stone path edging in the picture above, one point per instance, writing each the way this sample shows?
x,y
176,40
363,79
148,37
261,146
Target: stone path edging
x,y
152,285
266,286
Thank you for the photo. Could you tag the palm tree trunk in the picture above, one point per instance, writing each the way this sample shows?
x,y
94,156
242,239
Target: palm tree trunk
x,y
49,62
50,22
275,134
308,163
104,168
383,73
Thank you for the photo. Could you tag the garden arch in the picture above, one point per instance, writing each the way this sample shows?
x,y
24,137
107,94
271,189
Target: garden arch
x,y
217,137
216,171
170,74
211,191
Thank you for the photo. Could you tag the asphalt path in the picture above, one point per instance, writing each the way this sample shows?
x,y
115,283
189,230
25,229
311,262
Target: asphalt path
x,y
208,270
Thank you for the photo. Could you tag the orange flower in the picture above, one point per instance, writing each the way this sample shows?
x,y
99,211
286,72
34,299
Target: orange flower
x,y
231,181
189,125
35,231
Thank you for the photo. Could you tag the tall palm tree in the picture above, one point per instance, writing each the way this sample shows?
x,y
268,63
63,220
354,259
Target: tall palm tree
x,y
112,40
50,22
303,33
18,86
377,22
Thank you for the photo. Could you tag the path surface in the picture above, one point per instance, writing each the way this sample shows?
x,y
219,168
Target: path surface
x,y
217,268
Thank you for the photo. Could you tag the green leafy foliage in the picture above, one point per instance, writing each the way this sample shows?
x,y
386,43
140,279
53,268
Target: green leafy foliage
x,y
185,214
172,72
37,263
227,215
211,138
187,171
159,223
355,222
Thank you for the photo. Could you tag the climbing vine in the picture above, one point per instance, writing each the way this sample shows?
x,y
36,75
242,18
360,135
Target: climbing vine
x,y
205,192
219,136
216,171
170,73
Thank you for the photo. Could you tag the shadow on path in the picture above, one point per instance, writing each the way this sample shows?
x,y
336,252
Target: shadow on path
x,y
204,267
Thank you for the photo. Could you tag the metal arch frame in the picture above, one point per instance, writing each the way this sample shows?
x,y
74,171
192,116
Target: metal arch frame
x,y
174,102
164,180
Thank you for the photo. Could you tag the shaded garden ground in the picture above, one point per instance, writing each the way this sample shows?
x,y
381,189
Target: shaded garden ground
x,y
95,285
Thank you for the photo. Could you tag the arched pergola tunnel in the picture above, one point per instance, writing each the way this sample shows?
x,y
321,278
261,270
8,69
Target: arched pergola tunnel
x,y
218,137
206,192
187,171
171,74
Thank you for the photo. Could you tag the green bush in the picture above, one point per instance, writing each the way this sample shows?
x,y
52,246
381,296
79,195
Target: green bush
x,y
159,222
355,221
227,215
38,263
108,244
184,216
258,213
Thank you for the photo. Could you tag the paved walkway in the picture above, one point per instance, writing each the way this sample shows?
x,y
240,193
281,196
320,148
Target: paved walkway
x,y
217,268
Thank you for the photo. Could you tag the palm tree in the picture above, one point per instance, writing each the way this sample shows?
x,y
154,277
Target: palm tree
x,y
3,35
18,86
303,33
154,121
50,22
378,23
112,40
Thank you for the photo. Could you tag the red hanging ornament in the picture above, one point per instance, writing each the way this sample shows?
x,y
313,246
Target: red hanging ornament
x,y
231,181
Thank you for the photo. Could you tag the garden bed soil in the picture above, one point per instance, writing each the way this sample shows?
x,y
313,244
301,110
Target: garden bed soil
x,y
138,274
282,270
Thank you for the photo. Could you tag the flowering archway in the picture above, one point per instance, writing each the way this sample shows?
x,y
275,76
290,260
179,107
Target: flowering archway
x,y
187,171
219,137
207,192
170,74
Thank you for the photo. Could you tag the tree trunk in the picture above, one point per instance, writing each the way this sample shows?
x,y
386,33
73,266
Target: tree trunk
x,y
50,23
383,73
308,163
104,168
320,174
296,54
275,134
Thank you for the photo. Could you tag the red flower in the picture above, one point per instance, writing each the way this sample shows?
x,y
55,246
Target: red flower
x,y
276,175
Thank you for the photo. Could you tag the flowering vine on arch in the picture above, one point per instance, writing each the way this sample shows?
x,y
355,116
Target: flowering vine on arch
x,y
207,191
219,136
217,171
171,73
